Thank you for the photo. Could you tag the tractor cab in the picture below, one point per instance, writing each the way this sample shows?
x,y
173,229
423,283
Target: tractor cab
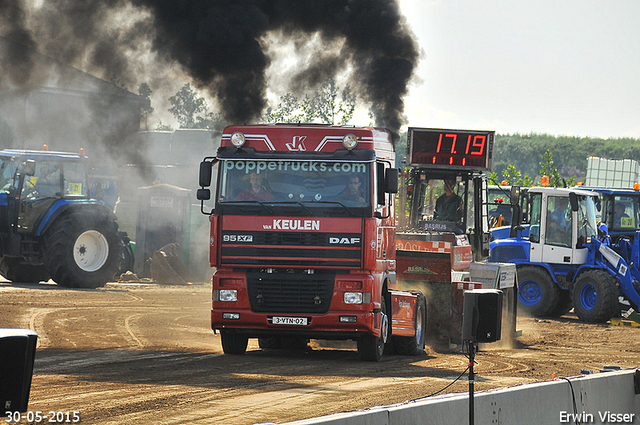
x,y
32,181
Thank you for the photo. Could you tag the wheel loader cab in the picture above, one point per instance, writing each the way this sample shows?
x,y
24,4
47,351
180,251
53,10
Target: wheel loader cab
x,y
566,219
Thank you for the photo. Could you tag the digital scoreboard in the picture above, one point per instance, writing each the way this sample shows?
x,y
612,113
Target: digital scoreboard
x,y
441,148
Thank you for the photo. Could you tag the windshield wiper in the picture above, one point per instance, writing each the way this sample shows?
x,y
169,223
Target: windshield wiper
x,y
291,202
339,203
261,203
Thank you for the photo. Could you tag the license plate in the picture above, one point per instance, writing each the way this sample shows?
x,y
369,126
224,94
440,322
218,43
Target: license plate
x,y
298,321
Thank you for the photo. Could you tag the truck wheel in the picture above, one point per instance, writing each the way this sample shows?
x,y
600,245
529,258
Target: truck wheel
x,y
233,343
11,269
595,296
80,250
371,347
538,295
413,346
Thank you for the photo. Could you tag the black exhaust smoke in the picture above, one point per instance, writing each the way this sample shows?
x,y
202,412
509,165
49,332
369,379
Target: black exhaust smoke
x,y
221,45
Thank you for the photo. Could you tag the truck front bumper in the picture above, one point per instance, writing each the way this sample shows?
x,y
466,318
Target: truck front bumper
x,y
332,325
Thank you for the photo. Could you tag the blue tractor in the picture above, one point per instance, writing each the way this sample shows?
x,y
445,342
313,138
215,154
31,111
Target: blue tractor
x,y
567,259
50,228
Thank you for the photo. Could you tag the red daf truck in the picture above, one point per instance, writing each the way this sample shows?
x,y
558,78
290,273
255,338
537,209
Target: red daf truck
x,y
303,239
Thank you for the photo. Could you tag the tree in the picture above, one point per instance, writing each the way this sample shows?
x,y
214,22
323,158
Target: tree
x,y
513,177
163,127
191,111
288,110
328,109
323,105
144,91
548,168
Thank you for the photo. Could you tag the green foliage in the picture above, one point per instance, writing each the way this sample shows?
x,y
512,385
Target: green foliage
x,y
288,110
163,127
512,177
525,152
144,91
548,168
401,149
191,111
323,106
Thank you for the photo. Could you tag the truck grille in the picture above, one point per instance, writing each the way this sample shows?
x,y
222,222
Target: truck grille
x,y
289,292
293,249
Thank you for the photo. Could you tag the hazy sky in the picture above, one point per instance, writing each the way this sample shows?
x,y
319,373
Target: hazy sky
x,y
545,66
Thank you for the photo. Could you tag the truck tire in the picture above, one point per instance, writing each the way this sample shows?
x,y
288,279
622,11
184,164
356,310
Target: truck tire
x,y
371,348
233,343
82,250
595,296
11,269
414,345
538,294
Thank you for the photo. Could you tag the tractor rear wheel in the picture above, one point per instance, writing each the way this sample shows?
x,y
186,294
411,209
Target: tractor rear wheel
x,y
595,296
11,269
82,250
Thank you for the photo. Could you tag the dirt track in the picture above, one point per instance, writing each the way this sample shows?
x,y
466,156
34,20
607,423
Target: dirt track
x,y
143,353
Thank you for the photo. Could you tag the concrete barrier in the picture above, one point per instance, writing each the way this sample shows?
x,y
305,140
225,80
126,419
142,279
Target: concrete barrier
x,y
601,398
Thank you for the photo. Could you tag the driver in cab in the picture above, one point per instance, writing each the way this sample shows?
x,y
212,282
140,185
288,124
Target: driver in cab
x,y
559,228
448,205
257,191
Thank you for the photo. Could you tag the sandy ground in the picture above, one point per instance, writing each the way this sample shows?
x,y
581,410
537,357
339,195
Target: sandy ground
x,y
144,353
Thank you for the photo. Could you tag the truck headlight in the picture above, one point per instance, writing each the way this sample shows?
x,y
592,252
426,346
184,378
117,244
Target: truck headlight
x,y
350,141
237,139
357,298
225,295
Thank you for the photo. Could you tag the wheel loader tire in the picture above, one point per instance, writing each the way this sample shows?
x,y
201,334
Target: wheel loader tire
x,y
11,269
538,294
82,250
595,296
565,303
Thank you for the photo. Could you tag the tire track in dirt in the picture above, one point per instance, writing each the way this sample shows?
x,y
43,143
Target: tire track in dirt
x,y
129,328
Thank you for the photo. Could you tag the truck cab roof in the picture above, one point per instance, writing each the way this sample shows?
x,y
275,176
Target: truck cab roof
x,y
40,155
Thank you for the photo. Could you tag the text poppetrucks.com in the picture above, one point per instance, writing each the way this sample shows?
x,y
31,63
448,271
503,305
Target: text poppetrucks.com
x,y
606,416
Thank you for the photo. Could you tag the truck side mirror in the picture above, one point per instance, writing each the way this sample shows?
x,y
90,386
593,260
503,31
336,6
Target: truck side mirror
x,y
203,194
573,198
391,180
205,174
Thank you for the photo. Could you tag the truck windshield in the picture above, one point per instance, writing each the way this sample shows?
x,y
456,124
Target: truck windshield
x,y
327,184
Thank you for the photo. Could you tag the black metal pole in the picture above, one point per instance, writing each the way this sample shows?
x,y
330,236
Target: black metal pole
x,y
472,350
